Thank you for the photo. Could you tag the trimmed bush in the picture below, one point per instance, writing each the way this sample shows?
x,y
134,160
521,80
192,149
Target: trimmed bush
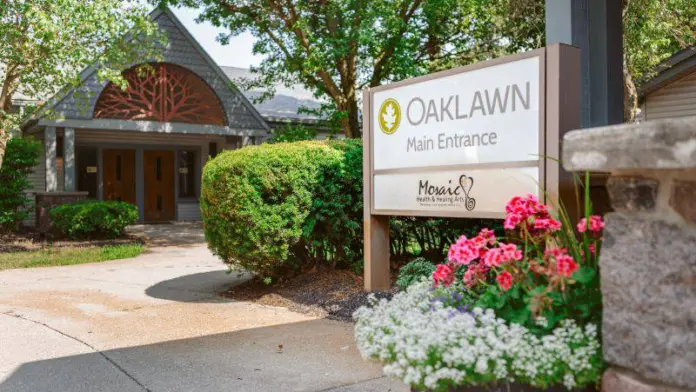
x,y
414,271
21,155
94,219
279,207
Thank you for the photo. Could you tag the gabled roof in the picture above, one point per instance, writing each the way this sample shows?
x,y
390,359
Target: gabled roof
x,y
154,15
677,66
285,102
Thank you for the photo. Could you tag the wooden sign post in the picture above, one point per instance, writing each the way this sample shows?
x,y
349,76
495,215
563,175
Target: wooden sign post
x,y
460,143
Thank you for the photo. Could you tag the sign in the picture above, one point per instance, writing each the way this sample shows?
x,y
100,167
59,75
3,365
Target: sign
x,y
183,170
91,169
463,142
458,143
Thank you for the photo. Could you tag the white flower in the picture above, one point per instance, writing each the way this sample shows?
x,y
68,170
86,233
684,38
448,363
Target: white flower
x,y
431,346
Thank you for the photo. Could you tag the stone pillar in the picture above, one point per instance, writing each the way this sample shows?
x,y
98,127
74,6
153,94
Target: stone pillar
x,y
648,259
50,142
69,159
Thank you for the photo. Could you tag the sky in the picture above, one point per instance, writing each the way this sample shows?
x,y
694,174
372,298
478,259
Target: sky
x,y
237,54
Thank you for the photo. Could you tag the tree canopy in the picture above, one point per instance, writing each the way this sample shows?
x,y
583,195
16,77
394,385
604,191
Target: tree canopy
x,y
46,43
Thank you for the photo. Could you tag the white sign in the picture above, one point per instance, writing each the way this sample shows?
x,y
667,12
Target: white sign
x,y
91,169
482,116
458,143
454,191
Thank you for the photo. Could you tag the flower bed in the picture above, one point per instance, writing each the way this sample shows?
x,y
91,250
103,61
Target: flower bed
x,y
522,310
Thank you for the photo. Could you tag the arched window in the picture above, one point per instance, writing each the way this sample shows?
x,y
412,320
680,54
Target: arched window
x,y
161,92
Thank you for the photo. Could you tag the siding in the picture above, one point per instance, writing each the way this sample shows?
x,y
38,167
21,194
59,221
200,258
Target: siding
x,y
677,99
187,211
37,179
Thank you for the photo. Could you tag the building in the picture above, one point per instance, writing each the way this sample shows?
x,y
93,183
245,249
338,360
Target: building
x,y
672,91
148,145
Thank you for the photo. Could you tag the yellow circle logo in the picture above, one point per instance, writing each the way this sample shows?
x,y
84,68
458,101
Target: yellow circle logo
x,y
389,116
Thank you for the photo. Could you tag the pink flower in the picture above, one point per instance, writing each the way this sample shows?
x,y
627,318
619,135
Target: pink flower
x,y
549,224
444,275
555,252
554,225
504,280
474,274
511,221
462,241
494,258
478,242
595,225
487,234
510,252
465,254
565,265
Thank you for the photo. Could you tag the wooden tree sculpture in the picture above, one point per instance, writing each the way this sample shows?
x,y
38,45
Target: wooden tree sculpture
x,y
162,92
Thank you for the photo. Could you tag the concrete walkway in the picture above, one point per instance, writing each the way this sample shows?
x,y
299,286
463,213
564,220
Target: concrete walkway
x,y
154,323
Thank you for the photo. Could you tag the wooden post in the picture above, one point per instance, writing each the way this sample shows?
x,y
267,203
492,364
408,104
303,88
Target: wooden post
x,y
376,227
563,103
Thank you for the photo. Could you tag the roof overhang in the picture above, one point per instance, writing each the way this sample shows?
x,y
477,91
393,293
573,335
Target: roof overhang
x,y
676,67
147,126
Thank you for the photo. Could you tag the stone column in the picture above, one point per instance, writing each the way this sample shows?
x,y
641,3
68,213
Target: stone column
x,y
50,142
648,259
69,159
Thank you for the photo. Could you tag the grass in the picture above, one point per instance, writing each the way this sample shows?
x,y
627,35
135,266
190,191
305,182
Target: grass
x,y
68,256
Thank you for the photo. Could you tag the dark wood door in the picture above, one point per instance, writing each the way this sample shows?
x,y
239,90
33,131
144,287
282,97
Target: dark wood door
x,y
119,175
159,185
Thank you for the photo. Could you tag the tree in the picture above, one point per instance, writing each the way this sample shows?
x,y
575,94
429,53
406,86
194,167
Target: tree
x,y
46,43
336,47
653,31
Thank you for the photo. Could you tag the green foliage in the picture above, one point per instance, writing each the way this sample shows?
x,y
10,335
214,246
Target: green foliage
x,y
22,155
94,219
290,133
46,43
279,207
275,208
414,271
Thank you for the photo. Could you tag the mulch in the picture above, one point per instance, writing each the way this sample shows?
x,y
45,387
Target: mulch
x,y
27,241
333,294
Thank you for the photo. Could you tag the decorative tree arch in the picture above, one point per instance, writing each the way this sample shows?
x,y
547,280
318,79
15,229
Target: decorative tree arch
x,y
162,92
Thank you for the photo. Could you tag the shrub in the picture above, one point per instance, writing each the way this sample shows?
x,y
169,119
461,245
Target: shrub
x,y
279,207
94,219
291,133
21,155
414,271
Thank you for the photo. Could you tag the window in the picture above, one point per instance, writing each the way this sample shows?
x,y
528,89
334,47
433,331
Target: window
x,y
187,173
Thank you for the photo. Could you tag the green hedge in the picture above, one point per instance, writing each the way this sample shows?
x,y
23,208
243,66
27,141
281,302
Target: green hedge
x,y
21,155
275,208
94,219
279,207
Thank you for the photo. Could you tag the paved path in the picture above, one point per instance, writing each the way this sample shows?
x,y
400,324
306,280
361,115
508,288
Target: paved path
x,y
153,323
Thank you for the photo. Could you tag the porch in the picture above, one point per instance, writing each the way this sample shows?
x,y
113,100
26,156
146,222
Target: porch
x,y
153,165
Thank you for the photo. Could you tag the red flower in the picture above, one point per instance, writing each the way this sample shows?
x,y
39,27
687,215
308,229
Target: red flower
x,y
494,258
504,280
510,252
595,225
444,275
565,265
488,234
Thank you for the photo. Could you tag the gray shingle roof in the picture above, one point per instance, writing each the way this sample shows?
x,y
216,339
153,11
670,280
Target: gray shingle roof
x,y
283,105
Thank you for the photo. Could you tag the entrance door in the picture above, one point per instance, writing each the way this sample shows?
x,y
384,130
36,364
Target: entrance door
x,y
119,175
159,185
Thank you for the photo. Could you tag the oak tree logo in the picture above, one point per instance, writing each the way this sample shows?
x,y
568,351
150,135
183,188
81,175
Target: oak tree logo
x,y
389,116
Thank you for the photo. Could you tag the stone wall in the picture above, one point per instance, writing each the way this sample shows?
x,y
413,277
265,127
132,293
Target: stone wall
x,y
45,201
648,259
